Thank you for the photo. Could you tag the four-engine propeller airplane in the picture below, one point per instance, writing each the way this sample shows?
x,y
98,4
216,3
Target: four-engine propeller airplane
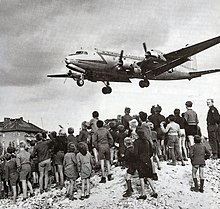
x,y
109,67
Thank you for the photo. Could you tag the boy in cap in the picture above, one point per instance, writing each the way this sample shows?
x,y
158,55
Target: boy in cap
x,y
198,154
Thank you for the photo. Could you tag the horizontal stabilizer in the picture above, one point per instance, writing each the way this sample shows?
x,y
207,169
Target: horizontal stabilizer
x,y
58,76
200,73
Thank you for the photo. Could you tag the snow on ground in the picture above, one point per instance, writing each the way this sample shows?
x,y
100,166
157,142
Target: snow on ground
x,y
173,189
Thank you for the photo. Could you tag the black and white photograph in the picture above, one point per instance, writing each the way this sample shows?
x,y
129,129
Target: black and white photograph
x,y
109,104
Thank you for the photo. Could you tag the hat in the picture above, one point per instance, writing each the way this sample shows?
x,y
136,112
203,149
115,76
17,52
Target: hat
x,y
189,104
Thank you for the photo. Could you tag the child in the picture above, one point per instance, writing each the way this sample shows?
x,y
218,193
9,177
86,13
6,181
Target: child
x,y
70,169
129,158
102,141
24,168
84,163
11,174
173,132
198,153
121,137
155,144
143,153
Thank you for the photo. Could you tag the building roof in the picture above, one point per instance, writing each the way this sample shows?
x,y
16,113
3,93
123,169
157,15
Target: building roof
x,y
18,124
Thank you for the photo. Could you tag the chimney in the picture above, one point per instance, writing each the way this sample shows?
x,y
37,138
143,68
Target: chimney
x,y
6,121
21,118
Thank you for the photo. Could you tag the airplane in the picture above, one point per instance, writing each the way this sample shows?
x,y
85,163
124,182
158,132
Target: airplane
x,y
106,66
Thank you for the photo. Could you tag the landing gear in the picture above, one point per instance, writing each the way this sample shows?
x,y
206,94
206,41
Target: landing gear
x,y
144,83
80,82
107,89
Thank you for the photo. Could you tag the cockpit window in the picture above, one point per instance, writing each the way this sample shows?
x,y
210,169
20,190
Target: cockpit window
x,y
79,52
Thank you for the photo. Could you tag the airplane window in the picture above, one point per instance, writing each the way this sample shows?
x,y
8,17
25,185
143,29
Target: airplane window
x,y
81,52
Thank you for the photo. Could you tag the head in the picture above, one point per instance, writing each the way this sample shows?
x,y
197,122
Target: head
x,y
113,125
171,118
119,118
39,137
143,116
210,102
95,114
22,144
121,128
133,124
140,133
7,156
188,104
82,147
44,134
52,135
151,125
85,125
127,110
197,139
71,147
32,143
70,130
157,109
128,142
62,132
99,123
176,112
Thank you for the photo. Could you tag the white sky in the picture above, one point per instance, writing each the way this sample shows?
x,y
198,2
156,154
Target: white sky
x,y
35,36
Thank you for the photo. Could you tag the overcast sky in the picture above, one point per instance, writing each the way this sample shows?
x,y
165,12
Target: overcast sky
x,y
35,37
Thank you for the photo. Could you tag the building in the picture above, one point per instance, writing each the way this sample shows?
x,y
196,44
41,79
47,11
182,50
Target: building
x,y
14,130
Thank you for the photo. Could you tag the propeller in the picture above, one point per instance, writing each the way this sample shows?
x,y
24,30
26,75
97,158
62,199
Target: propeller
x,y
120,61
147,53
145,47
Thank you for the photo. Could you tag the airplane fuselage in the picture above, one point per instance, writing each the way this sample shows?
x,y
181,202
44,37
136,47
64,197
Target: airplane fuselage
x,y
102,64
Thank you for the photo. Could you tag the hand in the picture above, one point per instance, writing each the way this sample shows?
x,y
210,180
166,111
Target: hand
x,y
7,183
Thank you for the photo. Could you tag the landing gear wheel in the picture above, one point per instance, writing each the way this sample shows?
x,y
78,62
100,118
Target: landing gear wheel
x,y
80,82
106,90
144,83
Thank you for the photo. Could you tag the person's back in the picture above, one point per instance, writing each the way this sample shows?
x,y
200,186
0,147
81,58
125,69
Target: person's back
x,y
126,118
191,117
60,144
103,136
42,149
197,154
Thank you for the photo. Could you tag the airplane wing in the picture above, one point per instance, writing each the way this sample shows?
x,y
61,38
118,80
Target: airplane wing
x,y
200,73
70,74
178,57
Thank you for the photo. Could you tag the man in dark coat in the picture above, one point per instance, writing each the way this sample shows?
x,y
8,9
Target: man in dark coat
x,y
213,120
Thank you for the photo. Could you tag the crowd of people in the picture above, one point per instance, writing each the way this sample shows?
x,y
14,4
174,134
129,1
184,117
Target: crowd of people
x,y
138,143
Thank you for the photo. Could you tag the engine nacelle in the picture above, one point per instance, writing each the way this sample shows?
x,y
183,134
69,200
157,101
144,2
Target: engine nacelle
x,y
158,54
